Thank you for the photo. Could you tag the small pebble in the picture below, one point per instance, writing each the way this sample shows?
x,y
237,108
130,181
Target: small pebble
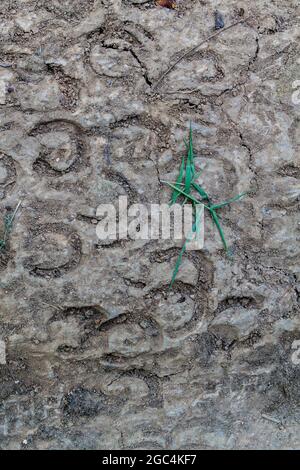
x,y
219,21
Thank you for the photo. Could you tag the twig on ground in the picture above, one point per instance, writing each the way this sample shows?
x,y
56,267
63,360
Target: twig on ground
x,y
15,211
53,306
194,48
273,420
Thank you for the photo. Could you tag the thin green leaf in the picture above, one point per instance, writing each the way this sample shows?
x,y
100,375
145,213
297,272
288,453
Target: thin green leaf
x,y
177,265
225,203
175,193
191,150
200,190
216,221
188,176
188,196
190,167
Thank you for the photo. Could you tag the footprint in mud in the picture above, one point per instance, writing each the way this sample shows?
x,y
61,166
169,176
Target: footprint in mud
x,y
61,149
113,63
54,249
201,68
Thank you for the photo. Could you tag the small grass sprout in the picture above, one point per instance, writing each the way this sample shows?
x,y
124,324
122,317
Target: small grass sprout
x,y
184,184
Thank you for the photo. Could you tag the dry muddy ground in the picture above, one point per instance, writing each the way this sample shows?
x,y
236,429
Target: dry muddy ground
x,y
95,352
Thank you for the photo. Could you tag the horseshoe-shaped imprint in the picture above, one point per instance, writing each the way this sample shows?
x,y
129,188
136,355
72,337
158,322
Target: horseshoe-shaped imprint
x,y
113,62
54,249
62,148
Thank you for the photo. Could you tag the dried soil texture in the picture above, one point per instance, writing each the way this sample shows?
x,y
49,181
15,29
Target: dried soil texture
x,y
95,352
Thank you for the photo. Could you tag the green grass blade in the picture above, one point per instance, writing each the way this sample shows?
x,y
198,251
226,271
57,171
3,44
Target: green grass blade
x,y
175,193
191,153
178,262
216,221
190,167
200,190
225,203
188,176
185,181
188,196
191,150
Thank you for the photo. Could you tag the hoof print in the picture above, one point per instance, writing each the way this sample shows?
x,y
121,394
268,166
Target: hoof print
x,y
54,250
